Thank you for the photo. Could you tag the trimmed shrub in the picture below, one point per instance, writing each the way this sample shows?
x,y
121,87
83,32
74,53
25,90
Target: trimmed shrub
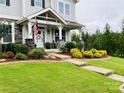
x,y
36,53
20,56
17,48
10,54
88,54
4,56
93,51
97,55
21,48
76,53
48,45
70,45
102,52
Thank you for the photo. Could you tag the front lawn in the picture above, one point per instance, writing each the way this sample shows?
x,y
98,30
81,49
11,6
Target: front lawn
x,y
53,78
114,63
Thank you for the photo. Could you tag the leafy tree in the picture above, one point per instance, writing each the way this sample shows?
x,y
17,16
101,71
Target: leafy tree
x,y
75,37
85,39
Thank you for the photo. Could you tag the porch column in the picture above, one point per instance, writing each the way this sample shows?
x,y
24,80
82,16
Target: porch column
x,y
30,33
60,32
13,32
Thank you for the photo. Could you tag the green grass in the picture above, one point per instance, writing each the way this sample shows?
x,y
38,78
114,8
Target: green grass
x,y
114,63
53,78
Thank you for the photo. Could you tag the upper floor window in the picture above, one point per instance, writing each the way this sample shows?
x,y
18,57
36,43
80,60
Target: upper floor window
x,y
61,7
67,9
38,3
5,2
64,7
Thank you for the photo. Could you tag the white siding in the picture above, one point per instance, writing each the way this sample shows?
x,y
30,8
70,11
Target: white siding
x,y
66,17
15,8
28,9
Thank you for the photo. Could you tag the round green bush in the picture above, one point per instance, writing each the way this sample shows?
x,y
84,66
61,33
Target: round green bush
x,y
17,48
48,45
36,53
20,56
70,45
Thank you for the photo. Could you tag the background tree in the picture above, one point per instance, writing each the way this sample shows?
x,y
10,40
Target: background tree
x,y
85,39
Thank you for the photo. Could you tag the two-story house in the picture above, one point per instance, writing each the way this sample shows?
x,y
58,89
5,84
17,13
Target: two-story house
x,y
56,18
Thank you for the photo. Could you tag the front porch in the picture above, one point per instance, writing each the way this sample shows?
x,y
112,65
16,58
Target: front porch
x,y
52,28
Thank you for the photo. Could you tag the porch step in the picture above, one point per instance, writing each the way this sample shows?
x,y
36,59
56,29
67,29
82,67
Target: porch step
x,y
102,71
77,62
60,56
117,77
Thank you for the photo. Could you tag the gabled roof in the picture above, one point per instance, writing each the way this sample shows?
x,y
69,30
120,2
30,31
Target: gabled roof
x,y
46,10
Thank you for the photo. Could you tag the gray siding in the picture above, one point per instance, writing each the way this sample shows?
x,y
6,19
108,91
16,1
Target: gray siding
x,y
15,8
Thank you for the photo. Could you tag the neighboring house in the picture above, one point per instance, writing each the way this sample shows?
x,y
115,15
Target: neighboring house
x,y
56,18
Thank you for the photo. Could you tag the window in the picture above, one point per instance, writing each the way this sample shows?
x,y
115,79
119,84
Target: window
x,y
3,2
8,37
67,9
61,7
64,8
38,3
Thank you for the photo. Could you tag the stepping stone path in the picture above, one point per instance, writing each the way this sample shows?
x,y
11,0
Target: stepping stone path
x,y
77,62
117,77
102,71
60,56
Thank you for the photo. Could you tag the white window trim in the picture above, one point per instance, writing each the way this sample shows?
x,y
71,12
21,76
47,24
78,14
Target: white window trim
x,y
3,4
65,2
36,5
13,35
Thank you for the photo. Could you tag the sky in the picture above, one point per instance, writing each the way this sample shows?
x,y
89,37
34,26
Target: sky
x,y
96,13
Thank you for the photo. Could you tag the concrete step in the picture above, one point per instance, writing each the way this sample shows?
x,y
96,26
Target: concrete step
x,y
117,77
77,62
60,56
102,71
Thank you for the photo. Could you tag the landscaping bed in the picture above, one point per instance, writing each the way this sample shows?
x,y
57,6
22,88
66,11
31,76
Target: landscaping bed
x,y
17,52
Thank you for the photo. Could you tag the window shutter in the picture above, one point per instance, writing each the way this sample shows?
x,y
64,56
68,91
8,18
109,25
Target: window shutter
x,y
32,2
43,3
7,2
